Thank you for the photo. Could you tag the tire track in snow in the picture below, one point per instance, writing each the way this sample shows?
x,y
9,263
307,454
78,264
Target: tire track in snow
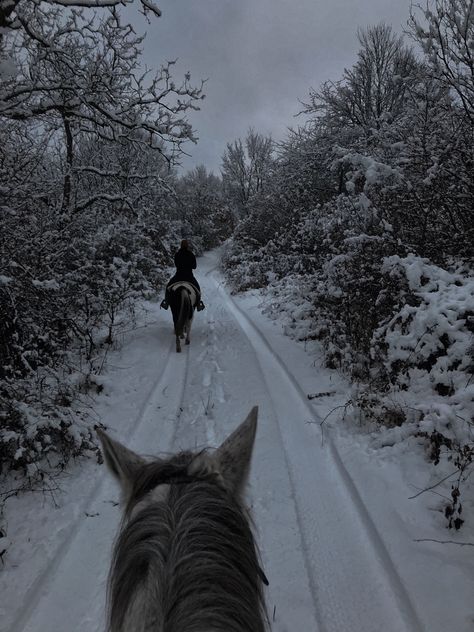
x,y
197,429
37,600
212,391
397,612
180,410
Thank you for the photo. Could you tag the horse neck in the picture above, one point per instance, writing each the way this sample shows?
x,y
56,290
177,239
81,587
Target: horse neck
x,y
187,565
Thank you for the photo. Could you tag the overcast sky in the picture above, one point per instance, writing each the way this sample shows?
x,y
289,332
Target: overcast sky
x,y
259,57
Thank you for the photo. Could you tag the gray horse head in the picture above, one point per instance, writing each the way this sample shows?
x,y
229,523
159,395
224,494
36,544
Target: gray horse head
x,y
185,559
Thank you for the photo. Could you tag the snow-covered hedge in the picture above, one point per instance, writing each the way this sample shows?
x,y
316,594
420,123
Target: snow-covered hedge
x,y
426,348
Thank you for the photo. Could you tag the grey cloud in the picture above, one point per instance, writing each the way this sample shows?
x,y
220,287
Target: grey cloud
x,y
259,56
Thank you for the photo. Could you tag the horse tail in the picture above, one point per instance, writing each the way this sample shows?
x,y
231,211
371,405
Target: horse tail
x,y
185,311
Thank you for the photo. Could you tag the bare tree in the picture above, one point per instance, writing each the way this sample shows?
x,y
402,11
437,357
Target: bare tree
x,y
374,89
246,167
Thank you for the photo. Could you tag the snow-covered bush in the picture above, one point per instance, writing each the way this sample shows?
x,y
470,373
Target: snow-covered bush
x,y
338,272
63,294
243,267
425,352
425,347
431,334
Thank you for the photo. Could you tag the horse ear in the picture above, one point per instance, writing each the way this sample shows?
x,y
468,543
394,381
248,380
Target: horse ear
x,y
122,462
233,456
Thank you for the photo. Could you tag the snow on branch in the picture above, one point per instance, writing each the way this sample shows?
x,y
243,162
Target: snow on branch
x,y
147,5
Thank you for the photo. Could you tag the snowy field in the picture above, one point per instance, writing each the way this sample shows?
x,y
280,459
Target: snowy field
x,y
343,545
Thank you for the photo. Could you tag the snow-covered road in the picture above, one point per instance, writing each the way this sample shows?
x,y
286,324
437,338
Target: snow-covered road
x,y
328,566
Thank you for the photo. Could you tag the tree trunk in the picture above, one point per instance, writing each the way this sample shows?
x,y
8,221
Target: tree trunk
x,y
67,185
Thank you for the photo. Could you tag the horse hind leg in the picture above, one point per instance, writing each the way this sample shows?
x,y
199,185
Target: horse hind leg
x,y
178,344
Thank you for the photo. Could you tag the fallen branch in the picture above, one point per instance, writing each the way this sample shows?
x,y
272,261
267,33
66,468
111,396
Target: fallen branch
x,y
444,541
427,489
323,394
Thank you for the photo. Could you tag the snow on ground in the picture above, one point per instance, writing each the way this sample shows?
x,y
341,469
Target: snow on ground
x,y
335,524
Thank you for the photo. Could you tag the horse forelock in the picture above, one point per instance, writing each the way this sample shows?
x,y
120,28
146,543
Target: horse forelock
x,y
189,560
160,472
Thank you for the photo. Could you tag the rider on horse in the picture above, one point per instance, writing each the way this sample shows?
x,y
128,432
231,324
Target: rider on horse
x,y
185,263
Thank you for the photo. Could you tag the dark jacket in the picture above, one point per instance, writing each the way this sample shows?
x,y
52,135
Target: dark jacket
x,y
185,262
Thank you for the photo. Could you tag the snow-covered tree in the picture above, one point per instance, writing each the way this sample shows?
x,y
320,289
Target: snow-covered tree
x,y
79,76
446,35
13,16
383,169
373,91
87,142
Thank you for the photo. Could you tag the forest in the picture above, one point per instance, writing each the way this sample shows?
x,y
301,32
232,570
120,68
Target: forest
x,y
357,228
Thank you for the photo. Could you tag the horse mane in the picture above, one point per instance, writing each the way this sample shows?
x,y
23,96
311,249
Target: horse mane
x,y
185,559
